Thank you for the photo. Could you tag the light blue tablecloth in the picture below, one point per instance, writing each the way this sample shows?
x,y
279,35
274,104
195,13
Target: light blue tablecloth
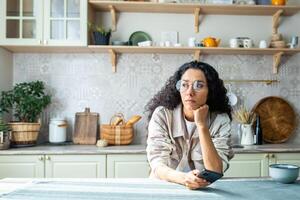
x,y
146,189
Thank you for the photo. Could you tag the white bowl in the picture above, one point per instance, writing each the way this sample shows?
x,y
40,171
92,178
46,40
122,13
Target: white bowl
x,y
284,173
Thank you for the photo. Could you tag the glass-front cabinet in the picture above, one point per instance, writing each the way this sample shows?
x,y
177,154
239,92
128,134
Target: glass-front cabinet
x,y
43,22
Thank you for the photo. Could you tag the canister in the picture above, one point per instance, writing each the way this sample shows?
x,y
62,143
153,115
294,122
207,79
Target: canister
x,y
57,130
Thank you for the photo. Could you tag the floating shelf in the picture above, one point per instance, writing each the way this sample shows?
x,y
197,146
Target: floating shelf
x,y
99,5
196,51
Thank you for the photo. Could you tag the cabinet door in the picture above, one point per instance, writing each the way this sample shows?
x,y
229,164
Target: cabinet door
x,y
285,158
75,166
21,22
21,166
248,165
65,22
127,166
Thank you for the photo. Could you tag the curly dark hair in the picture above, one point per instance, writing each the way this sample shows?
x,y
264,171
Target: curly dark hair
x,y
169,96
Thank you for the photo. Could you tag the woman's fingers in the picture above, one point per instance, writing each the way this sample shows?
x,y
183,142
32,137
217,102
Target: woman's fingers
x,y
192,181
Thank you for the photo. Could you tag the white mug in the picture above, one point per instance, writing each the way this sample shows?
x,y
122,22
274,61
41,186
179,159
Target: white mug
x,y
234,43
192,42
263,44
247,43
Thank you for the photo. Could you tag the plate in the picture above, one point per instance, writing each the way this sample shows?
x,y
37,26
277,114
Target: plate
x,y
277,117
138,36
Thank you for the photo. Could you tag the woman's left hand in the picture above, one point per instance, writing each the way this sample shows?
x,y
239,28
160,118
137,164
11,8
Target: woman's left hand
x,y
200,115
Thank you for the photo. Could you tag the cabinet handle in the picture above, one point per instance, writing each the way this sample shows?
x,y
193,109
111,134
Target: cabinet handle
x,y
267,156
41,158
272,156
48,157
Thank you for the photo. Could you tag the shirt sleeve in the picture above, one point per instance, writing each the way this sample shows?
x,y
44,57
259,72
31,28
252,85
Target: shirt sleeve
x,y
221,137
159,144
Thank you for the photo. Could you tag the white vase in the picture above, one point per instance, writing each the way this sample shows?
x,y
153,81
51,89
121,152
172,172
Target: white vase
x,y
247,134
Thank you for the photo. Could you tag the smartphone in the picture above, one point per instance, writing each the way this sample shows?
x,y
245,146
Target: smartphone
x,y
210,176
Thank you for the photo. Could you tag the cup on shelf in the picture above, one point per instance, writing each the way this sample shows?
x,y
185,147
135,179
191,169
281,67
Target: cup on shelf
x,y
234,43
263,44
247,43
192,42
294,42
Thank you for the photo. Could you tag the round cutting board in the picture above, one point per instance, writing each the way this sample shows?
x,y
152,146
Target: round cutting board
x,y
278,119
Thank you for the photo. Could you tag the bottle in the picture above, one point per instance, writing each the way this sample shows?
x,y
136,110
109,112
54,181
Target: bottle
x,y
258,132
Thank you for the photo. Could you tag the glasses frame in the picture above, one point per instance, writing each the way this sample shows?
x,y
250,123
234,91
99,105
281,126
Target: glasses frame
x,y
194,86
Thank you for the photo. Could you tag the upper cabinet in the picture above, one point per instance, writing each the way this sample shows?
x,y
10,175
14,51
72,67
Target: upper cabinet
x,y
43,22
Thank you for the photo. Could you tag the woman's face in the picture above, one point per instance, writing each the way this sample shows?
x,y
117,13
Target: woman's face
x,y
193,89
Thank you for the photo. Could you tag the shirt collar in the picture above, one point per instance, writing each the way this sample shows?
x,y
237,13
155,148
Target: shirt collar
x,y
178,122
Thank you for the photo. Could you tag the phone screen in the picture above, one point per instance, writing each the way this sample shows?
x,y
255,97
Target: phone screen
x,y
210,176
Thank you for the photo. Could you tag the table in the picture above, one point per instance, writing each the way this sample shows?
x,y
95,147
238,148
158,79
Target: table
x,y
144,189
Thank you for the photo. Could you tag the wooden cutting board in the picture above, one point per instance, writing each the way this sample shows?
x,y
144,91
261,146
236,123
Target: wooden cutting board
x,y
278,119
86,124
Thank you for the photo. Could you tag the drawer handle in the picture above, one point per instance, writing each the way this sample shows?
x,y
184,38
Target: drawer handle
x,y
48,158
41,158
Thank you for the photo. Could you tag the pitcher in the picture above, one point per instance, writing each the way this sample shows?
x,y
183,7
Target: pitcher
x,y
247,134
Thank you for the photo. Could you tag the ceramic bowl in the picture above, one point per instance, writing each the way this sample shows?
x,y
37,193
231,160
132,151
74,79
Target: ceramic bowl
x,y
284,173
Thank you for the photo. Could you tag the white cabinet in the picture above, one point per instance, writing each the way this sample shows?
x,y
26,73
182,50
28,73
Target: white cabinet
x,y
53,166
127,166
257,164
248,165
43,22
21,166
75,166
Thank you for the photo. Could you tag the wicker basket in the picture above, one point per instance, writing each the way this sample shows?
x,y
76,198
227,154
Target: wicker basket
x,y
24,134
117,134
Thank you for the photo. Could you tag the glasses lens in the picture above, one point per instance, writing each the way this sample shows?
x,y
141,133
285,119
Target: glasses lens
x,y
198,85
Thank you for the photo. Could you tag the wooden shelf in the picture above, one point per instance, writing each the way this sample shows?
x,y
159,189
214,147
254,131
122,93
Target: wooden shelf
x,y
197,51
151,7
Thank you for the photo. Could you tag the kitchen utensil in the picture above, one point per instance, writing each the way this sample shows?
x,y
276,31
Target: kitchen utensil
x,y
138,36
284,173
85,127
231,96
278,119
57,130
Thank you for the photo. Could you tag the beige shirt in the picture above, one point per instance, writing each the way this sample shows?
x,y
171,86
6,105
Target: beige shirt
x,y
168,142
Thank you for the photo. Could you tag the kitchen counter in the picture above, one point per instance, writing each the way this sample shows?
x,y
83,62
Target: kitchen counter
x,y
133,149
90,189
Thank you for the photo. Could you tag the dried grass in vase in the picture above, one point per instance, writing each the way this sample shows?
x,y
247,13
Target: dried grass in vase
x,y
244,116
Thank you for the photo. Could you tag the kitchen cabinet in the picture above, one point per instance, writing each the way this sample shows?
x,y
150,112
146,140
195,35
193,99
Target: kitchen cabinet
x,y
257,164
53,166
21,166
127,166
43,22
75,166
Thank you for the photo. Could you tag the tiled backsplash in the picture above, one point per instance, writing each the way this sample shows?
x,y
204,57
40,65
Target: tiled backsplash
x,y
77,81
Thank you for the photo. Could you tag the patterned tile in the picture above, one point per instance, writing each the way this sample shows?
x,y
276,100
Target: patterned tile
x,y
77,81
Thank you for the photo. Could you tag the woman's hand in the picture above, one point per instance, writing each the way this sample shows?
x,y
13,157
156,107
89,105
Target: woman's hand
x,y
200,115
192,181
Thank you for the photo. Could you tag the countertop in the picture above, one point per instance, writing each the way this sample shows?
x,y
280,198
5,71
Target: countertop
x,y
133,149
146,189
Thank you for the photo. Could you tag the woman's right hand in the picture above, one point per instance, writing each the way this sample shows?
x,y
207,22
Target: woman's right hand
x,y
192,181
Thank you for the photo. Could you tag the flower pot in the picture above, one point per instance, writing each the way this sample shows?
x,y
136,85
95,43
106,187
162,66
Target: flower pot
x,y
24,134
5,137
101,39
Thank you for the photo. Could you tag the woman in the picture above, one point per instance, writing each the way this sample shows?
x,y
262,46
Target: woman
x,y
189,127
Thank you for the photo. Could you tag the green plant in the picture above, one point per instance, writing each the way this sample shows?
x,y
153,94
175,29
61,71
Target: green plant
x,y
100,29
27,99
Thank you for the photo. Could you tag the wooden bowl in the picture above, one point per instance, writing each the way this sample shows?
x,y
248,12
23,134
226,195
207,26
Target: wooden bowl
x,y
277,117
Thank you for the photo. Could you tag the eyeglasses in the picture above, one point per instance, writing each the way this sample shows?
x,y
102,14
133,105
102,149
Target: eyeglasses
x,y
183,86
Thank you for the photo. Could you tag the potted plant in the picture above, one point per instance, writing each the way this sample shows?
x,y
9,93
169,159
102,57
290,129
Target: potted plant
x,y
27,100
5,134
100,35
